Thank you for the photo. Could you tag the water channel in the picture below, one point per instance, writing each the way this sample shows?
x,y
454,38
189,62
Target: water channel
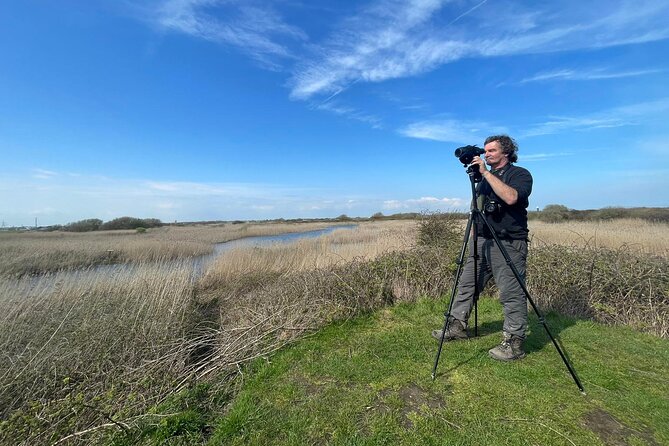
x,y
198,264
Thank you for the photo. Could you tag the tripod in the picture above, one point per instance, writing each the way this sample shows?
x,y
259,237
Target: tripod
x,y
475,216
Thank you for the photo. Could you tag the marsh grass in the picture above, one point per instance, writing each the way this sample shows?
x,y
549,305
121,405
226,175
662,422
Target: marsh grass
x,y
365,242
82,353
33,253
636,235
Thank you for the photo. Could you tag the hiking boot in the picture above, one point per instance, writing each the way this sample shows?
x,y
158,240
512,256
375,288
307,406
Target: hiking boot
x,y
456,330
510,349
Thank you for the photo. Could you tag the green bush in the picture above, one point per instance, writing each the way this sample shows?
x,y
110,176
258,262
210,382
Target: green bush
x,y
441,230
554,213
91,224
131,223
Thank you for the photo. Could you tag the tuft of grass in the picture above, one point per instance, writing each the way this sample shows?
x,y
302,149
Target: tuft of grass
x,y
366,381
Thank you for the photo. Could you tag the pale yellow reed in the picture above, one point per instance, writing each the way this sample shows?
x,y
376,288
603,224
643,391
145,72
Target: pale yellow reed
x,y
636,234
367,241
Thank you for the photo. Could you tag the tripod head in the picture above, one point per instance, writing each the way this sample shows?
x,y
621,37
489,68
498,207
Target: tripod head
x,y
474,173
466,155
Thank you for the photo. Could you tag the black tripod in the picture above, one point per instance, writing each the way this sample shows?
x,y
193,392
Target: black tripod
x,y
476,215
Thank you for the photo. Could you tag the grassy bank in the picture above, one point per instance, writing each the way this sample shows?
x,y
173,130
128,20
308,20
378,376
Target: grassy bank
x,y
367,381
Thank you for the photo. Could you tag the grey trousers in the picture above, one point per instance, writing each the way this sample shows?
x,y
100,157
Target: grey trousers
x,y
492,264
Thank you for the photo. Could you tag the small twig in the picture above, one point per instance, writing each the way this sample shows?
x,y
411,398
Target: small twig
x,y
84,432
541,424
450,423
123,426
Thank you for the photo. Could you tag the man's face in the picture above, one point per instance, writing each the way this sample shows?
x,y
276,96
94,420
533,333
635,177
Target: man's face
x,y
494,157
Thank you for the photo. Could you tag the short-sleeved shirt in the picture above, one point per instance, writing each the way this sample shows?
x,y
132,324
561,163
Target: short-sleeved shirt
x,y
509,222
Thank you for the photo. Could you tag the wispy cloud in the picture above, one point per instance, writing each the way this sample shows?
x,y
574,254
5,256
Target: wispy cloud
x,y
425,203
43,174
545,156
375,45
586,75
390,39
66,198
253,27
397,39
633,114
466,132
350,113
451,130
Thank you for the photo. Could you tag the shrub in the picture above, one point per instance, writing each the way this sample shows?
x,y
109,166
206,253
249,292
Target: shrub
x,y
554,213
611,286
131,223
440,230
91,224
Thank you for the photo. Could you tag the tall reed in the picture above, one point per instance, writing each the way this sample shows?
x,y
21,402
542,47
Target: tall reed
x,y
81,353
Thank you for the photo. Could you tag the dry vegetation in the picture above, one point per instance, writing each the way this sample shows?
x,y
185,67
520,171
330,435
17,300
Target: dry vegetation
x,y
32,253
80,357
635,234
367,241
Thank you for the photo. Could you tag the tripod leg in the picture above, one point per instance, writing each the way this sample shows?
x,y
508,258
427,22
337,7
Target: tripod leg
x,y
521,282
461,261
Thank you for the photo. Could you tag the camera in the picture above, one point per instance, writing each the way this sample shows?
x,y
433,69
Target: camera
x,y
466,154
492,207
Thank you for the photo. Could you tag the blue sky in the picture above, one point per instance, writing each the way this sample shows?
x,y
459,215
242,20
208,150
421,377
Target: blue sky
x,y
252,109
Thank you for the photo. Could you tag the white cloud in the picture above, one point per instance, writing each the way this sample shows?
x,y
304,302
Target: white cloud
x,y
68,198
351,113
425,203
390,39
586,75
468,132
544,156
253,27
627,115
43,174
397,39
451,130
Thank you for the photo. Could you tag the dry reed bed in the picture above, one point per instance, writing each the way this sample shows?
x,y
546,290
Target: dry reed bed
x,y
32,253
92,351
78,353
635,234
367,241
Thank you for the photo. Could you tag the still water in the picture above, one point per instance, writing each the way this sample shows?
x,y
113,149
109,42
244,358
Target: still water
x,y
198,264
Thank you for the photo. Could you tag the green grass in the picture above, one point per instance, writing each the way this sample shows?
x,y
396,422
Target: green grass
x,y
367,382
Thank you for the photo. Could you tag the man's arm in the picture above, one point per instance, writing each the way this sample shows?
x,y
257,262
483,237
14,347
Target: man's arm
x,y
507,193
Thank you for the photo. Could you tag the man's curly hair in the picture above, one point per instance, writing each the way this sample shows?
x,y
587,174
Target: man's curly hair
x,y
509,145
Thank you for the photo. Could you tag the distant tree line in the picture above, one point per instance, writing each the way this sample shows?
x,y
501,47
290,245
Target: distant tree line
x,y
556,213
95,224
552,213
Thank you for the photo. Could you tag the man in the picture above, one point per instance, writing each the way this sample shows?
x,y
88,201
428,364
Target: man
x,y
503,192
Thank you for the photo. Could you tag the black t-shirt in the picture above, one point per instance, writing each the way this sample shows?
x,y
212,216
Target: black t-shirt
x,y
509,222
